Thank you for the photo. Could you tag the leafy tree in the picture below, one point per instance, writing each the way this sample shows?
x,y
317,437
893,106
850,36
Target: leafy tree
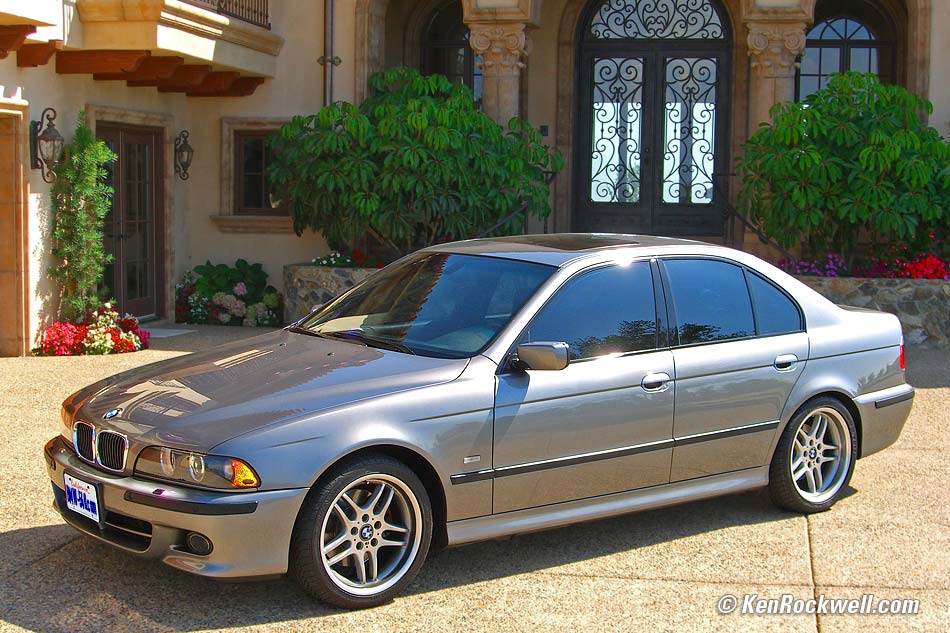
x,y
415,164
80,199
855,159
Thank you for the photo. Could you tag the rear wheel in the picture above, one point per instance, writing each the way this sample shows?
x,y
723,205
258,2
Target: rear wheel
x,y
363,534
814,459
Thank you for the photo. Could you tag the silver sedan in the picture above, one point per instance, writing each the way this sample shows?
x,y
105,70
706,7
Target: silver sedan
x,y
479,389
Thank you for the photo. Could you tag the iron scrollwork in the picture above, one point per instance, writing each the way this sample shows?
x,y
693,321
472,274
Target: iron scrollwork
x,y
657,19
616,127
689,130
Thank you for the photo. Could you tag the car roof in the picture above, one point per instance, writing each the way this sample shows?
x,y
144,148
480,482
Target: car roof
x,y
557,249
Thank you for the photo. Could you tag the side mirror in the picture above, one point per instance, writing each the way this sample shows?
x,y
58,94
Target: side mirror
x,y
544,355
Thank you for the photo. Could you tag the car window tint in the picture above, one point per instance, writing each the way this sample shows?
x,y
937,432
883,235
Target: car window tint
x,y
710,299
604,311
775,313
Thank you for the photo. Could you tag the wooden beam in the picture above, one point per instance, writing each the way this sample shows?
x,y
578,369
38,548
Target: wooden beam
x,y
243,87
151,69
33,55
214,83
98,61
12,37
184,77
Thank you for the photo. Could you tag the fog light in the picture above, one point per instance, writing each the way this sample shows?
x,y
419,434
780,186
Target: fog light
x,y
198,544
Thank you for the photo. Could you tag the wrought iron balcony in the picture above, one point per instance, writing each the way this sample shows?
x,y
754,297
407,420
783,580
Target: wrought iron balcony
x,y
251,11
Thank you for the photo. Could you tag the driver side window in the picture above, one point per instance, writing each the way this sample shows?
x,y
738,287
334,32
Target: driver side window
x,y
606,311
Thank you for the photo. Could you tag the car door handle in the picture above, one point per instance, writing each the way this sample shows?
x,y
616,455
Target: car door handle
x,y
785,362
659,381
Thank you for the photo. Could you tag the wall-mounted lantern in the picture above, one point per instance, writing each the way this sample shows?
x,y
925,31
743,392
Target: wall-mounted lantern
x,y
46,146
183,155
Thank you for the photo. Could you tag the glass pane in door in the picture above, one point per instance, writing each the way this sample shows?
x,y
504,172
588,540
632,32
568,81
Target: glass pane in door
x,y
138,220
689,130
616,130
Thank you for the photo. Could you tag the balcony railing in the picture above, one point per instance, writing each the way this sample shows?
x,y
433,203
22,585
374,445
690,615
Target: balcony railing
x,y
252,11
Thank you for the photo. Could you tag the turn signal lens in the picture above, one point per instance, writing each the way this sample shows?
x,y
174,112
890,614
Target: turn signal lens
x,y
197,469
243,476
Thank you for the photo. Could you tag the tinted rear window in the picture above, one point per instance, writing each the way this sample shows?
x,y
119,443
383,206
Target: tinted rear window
x,y
710,299
775,313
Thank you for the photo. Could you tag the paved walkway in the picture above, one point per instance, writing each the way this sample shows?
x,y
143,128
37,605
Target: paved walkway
x,y
659,570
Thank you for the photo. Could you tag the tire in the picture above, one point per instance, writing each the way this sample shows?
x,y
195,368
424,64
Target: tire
x,y
814,459
372,517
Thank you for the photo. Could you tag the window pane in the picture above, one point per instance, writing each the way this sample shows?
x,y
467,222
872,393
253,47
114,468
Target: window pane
x,y
689,125
775,312
253,192
616,130
253,148
830,60
606,311
710,299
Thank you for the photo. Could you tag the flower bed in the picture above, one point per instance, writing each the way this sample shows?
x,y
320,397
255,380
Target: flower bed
x,y
223,295
102,331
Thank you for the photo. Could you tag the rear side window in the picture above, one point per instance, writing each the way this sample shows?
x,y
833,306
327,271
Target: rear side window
x,y
606,311
710,299
775,313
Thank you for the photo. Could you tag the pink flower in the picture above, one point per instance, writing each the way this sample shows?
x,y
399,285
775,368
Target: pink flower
x,y
240,289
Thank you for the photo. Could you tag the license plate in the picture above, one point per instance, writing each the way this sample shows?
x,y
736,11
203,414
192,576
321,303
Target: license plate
x,y
81,497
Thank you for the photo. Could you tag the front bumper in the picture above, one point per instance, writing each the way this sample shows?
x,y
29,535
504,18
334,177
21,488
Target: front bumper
x,y
250,532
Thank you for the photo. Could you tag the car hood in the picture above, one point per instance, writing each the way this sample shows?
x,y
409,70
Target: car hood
x,y
203,399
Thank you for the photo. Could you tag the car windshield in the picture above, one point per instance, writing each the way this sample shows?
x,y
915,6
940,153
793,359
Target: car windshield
x,y
433,304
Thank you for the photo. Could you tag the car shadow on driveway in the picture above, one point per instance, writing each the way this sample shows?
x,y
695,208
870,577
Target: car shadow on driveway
x,y
81,584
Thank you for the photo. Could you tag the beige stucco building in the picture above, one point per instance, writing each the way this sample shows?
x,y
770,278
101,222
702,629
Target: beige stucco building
x,y
647,100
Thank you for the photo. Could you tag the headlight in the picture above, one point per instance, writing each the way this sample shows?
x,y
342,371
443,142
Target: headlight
x,y
211,471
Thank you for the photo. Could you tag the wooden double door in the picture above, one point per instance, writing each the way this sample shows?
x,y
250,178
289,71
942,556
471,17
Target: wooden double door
x,y
134,226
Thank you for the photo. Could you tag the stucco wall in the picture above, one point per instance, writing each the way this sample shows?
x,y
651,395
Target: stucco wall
x,y
939,72
296,88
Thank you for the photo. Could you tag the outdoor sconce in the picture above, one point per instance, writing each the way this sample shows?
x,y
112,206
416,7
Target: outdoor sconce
x,y
45,146
183,155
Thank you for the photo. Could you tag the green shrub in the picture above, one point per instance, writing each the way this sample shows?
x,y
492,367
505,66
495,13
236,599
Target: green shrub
x,y
228,295
80,200
853,160
415,164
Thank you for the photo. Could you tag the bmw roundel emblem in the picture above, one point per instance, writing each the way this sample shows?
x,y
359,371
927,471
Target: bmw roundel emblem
x,y
108,415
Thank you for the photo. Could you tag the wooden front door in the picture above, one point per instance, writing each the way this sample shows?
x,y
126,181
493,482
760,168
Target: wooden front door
x,y
133,228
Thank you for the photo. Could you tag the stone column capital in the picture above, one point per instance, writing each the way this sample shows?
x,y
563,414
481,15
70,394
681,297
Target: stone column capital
x,y
775,46
501,46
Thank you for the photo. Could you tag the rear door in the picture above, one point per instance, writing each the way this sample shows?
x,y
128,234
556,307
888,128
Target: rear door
x,y
739,347
604,424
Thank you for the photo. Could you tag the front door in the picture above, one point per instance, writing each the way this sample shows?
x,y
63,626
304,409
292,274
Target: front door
x,y
603,424
131,231
652,104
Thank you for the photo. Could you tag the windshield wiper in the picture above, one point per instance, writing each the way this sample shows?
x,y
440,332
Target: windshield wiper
x,y
296,329
369,341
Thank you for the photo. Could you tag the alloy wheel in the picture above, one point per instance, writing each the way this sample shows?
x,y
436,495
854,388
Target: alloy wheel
x,y
371,534
820,455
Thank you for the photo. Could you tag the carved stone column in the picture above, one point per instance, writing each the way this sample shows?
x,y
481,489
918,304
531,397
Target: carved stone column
x,y
501,46
774,48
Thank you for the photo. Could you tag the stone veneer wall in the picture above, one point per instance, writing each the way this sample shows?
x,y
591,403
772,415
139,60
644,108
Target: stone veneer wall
x,y
923,305
306,285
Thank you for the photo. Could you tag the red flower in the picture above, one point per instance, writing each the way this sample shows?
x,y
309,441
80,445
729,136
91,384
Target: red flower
x,y
63,339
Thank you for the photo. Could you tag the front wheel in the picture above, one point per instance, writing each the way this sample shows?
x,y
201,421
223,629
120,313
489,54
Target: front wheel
x,y
814,458
363,534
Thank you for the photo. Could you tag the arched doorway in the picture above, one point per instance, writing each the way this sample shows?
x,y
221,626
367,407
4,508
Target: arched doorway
x,y
653,110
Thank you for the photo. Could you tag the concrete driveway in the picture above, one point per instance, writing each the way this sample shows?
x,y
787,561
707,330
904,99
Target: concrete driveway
x,y
659,570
